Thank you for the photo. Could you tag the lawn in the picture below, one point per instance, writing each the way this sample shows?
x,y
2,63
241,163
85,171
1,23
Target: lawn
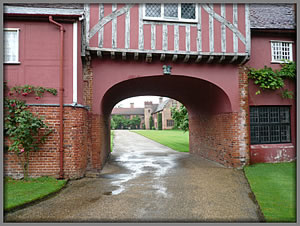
x,y
20,192
274,186
175,139
112,135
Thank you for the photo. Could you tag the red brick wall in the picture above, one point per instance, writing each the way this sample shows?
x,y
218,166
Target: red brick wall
x,y
223,137
46,160
215,137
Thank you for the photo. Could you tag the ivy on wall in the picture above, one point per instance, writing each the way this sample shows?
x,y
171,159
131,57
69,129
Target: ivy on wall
x,y
25,130
269,79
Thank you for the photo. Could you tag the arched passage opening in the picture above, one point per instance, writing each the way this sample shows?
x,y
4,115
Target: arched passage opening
x,y
212,119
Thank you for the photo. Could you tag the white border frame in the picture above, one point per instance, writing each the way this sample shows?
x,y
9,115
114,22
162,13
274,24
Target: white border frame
x,y
18,46
290,47
161,18
75,54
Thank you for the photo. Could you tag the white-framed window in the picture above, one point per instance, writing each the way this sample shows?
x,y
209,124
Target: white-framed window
x,y
281,50
11,45
180,12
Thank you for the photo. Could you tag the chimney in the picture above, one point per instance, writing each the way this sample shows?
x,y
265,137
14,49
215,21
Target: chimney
x,y
131,105
148,104
160,100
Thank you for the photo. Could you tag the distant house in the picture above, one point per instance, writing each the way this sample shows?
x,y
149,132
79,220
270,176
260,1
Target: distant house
x,y
150,109
129,113
164,108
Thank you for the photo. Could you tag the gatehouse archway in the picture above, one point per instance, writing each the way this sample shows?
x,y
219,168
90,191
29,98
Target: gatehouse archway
x,y
212,105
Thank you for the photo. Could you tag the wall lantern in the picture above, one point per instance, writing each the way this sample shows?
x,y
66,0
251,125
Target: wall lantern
x,y
167,69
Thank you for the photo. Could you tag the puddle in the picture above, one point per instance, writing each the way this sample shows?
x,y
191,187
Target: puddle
x,y
113,176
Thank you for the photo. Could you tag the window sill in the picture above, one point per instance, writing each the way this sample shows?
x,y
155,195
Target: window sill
x,y
160,20
12,63
278,62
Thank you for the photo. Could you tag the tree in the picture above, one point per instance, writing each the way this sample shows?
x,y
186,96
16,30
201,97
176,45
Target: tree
x,y
135,122
159,121
151,122
119,122
180,117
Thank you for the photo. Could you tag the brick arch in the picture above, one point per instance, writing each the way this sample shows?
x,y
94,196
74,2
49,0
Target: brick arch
x,y
192,92
215,129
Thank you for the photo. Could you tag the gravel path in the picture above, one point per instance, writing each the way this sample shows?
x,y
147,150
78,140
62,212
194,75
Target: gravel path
x,y
147,182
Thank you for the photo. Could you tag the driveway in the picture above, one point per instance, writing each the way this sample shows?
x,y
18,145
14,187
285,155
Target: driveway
x,y
147,182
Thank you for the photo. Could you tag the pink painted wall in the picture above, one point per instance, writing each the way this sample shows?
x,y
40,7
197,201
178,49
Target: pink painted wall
x,y
79,67
94,10
229,34
261,56
107,42
205,30
106,75
134,30
39,57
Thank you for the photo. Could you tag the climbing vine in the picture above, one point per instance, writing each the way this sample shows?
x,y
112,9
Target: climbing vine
x,y
23,129
269,79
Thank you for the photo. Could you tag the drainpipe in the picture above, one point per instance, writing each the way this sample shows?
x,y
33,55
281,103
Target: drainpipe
x,y
61,101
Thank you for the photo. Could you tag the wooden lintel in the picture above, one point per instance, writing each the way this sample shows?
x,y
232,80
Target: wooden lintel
x,y
199,58
186,58
174,58
124,55
221,59
136,56
99,54
244,60
162,57
112,55
233,59
149,58
210,59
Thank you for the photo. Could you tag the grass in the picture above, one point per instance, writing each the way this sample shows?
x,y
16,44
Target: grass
x,y
112,135
20,192
274,185
175,139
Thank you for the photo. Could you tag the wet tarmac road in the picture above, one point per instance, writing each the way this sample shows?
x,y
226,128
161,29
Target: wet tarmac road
x,y
148,182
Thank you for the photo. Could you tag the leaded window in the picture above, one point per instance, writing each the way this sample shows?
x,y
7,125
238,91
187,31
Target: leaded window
x,y
171,11
11,45
270,124
281,51
170,122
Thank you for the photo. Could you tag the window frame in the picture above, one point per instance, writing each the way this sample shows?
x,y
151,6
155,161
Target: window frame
x,y
290,50
162,18
269,124
169,122
17,30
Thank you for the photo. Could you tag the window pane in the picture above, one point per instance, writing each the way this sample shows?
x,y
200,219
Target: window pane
x,y
264,134
188,11
153,10
171,10
285,133
284,115
274,114
254,134
10,46
275,133
254,115
263,115
281,51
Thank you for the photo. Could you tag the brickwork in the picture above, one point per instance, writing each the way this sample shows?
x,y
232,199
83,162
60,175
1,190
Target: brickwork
x,y
243,118
223,137
88,83
46,160
215,137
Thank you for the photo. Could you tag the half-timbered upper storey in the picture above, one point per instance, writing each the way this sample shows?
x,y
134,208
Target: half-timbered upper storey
x,y
186,31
